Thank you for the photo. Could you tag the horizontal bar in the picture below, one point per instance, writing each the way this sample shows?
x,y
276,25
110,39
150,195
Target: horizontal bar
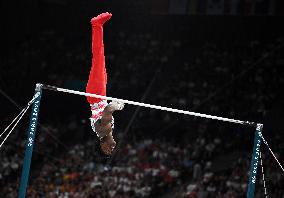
x,y
53,88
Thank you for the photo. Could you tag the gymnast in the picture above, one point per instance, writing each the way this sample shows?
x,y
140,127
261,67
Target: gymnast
x,y
102,121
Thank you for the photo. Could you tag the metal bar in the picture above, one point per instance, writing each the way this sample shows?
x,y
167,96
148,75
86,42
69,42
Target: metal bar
x,y
53,88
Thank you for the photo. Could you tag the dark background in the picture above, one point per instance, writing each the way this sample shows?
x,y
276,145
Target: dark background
x,y
227,63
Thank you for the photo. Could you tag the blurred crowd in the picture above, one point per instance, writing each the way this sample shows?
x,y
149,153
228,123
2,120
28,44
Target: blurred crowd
x,y
165,155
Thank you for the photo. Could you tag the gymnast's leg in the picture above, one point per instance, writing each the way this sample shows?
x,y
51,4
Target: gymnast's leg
x,y
98,76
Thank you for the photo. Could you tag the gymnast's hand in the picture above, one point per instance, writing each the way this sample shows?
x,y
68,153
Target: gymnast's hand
x,y
104,128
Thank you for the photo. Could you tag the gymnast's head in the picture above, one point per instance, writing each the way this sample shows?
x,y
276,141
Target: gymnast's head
x,y
107,144
103,150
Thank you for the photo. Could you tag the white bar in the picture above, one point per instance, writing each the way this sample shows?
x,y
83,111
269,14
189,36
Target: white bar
x,y
151,106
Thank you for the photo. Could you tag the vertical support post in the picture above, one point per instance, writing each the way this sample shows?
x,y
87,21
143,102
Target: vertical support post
x,y
30,143
254,161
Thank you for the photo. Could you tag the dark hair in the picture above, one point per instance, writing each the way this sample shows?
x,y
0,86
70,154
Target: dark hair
x,y
100,155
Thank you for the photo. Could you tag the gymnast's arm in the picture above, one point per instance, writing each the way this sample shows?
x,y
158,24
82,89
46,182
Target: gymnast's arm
x,y
104,128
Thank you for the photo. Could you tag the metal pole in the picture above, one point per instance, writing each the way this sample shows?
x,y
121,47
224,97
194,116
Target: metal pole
x,y
254,161
30,143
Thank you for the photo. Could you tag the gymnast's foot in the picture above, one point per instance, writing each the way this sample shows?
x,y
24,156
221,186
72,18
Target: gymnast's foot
x,y
101,19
